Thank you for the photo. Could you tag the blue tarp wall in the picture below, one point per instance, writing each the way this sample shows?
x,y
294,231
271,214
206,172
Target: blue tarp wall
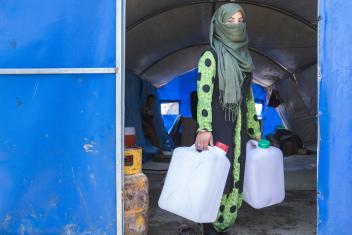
x,y
181,87
270,118
136,92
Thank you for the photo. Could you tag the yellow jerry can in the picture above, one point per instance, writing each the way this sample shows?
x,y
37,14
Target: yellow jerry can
x,y
136,195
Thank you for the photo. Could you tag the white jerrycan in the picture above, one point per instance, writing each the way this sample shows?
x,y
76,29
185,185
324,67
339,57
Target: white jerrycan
x,y
264,183
195,183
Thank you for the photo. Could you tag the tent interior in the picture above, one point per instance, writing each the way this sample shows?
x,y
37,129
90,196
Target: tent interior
x,y
164,40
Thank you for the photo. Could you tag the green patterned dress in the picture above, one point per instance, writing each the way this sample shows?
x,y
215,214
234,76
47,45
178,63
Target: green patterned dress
x,y
211,117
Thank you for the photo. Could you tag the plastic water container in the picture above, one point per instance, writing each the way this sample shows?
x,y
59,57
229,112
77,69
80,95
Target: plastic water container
x,y
195,183
130,136
264,183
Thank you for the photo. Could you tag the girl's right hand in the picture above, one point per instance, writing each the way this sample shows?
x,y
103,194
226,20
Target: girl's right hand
x,y
203,140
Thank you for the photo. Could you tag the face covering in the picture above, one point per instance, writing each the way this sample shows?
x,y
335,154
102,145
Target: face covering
x,y
230,41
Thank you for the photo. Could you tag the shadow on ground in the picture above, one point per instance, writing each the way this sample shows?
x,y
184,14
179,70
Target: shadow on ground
x,y
296,215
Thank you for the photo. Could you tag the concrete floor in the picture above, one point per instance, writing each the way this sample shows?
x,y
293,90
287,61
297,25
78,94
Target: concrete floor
x,y
296,215
300,172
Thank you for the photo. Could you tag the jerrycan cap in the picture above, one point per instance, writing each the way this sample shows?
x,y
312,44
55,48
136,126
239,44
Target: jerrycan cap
x,y
264,143
222,146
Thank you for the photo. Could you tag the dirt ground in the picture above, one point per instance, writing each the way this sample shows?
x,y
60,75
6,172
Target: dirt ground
x,y
296,215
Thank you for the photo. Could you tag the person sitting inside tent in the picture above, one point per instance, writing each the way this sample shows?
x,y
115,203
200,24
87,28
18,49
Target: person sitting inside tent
x,y
147,116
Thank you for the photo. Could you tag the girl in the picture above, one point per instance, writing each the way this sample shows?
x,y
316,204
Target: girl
x,y
226,110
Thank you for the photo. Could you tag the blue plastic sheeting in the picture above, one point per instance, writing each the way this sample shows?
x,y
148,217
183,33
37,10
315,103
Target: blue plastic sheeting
x,y
52,33
148,89
57,154
133,90
270,117
136,91
335,122
180,89
270,120
169,121
259,93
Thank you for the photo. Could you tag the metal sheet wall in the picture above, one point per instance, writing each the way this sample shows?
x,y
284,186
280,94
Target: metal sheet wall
x,y
57,132
335,122
57,34
57,171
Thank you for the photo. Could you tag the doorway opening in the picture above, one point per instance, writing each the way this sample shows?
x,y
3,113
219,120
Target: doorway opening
x,y
163,43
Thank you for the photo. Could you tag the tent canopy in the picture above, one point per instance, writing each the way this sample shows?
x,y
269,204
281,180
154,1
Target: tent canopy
x,y
166,37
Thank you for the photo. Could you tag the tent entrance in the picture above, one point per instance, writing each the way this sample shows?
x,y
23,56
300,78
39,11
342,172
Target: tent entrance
x,y
163,44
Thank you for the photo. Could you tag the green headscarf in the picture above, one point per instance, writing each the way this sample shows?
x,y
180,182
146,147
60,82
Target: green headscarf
x,y
230,41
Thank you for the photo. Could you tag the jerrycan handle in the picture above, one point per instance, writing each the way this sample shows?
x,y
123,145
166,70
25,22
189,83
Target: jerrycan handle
x,y
193,147
253,143
218,144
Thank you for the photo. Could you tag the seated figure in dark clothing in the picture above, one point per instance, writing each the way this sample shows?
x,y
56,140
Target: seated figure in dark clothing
x,y
147,115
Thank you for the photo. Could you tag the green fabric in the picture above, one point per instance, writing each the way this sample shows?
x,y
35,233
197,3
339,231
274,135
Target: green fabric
x,y
205,86
230,203
230,41
252,118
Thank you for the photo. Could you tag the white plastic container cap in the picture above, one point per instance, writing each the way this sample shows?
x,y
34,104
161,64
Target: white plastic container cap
x,y
129,130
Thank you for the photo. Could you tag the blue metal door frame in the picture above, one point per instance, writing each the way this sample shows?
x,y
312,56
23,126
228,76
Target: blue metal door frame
x,y
41,117
335,118
62,104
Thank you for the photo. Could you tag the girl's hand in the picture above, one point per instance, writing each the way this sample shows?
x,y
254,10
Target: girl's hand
x,y
203,140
